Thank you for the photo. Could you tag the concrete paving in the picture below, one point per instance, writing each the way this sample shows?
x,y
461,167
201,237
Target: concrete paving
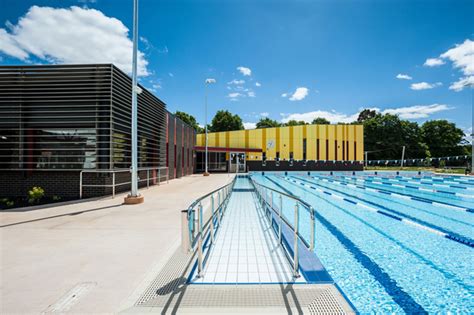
x,y
92,257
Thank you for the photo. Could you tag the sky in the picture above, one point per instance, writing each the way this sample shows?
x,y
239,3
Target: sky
x,y
279,59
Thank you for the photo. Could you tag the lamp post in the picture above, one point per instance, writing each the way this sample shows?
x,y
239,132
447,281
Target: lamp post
x,y
208,81
134,197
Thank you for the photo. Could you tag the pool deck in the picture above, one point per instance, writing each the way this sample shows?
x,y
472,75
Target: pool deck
x,y
96,256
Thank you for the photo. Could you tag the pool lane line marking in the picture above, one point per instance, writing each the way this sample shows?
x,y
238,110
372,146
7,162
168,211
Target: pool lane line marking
x,y
421,181
407,186
394,291
400,216
400,195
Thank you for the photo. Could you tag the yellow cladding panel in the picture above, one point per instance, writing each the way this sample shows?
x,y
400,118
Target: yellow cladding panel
x,y
359,136
339,138
284,143
311,142
321,132
330,143
298,142
271,143
200,140
237,139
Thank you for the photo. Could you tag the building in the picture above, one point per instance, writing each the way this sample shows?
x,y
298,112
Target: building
x,y
298,148
57,121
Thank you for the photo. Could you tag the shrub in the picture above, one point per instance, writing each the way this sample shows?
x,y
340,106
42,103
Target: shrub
x,y
56,198
35,194
7,202
442,164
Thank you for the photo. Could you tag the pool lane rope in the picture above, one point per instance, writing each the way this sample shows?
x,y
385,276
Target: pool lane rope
x,y
394,215
384,181
397,194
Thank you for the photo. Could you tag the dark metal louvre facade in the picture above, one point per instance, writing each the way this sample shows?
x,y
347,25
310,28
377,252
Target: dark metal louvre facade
x,y
180,142
75,117
56,120
55,117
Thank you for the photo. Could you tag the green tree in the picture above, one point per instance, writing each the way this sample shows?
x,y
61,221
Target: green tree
x,y
189,119
225,121
295,123
267,123
320,121
366,114
443,138
385,135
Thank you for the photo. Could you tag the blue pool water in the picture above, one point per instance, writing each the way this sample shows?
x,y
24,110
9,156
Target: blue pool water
x,y
393,243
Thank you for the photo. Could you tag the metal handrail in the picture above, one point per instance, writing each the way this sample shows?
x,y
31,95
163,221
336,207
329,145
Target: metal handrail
x,y
192,241
267,203
123,170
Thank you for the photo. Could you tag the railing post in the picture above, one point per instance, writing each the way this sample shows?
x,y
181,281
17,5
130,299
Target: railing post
x,y
311,210
147,178
80,185
281,220
200,254
212,219
296,254
271,199
113,185
185,237
219,208
159,176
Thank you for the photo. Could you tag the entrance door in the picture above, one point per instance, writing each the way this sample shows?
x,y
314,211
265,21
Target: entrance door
x,y
237,162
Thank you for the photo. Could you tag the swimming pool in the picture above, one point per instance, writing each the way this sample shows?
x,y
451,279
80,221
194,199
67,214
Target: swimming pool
x,y
398,243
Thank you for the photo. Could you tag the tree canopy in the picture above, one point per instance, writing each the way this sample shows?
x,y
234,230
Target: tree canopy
x,y
225,121
189,119
320,121
267,123
443,138
295,123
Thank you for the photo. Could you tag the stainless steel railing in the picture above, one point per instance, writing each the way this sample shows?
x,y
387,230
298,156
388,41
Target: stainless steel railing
x,y
196,230
161,173
266,196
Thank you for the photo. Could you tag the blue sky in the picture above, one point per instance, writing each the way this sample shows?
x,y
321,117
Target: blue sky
x,y
298,59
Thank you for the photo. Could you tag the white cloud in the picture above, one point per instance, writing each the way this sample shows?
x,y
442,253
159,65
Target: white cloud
x,y
245,71
258,84
251,94
408,112
284,95
462,56
402,76
424,86
250,125
210,80
10,47
462,83
434,62
264,114
234,95
416,111
299,94
170,74
236,82
71,35
333,116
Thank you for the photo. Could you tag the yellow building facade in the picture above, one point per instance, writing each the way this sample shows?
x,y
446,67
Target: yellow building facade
x,y
324,143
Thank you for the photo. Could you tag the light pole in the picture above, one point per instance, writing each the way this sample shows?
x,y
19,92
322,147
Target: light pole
x,y
208,81
134,197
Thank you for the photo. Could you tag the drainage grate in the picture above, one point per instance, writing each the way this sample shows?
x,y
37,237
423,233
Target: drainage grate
x,y
170,279
325,303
